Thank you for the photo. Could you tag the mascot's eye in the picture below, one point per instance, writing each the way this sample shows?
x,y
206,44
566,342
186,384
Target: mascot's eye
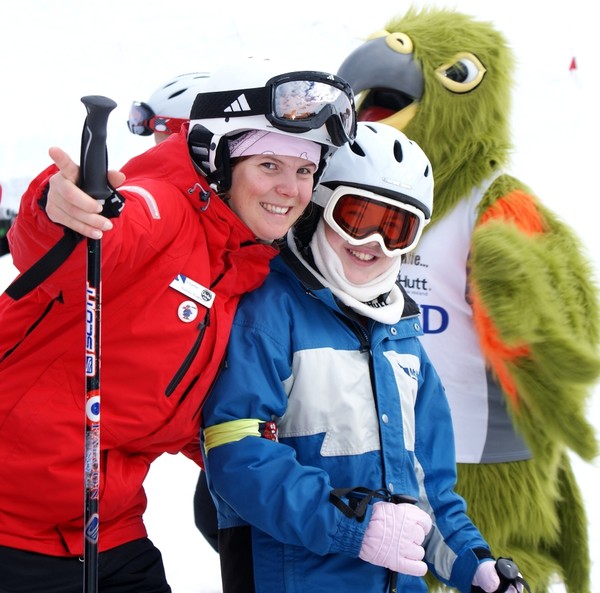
x,y
399,42
461,75
458,72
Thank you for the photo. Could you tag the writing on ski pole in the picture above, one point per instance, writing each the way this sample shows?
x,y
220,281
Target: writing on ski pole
x,y
92,414
91,342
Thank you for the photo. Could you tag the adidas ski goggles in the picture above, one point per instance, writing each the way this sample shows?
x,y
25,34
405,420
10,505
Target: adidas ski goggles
x,y
360,216
144,122
295,102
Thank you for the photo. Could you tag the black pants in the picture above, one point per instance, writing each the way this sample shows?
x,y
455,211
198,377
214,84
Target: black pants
x,y
237,567
205,512
135,567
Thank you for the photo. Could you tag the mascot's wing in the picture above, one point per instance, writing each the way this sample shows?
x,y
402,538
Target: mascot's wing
x,y
536,311
445,79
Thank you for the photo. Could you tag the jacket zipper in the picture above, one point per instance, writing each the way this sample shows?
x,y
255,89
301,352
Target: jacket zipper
x,y
365,346
183,369
47,310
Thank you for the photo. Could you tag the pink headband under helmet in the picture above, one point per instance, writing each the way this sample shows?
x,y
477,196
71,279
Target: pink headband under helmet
x,y
261,142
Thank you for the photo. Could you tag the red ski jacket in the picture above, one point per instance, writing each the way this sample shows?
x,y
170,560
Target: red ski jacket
x,y
160,350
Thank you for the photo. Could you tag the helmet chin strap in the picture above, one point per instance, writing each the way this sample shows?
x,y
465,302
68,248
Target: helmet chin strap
x,y
326,153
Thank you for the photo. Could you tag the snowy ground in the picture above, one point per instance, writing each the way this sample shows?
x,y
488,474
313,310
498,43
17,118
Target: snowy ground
x,y
56,51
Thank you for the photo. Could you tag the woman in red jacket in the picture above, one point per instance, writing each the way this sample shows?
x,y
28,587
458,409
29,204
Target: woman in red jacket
x,y
174,266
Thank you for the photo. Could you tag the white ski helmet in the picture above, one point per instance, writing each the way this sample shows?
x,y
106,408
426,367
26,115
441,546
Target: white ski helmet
x,y
382,160
258,94
168,106
175,97
385,167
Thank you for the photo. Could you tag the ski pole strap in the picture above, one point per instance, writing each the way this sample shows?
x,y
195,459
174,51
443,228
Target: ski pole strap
x,y
59,252
46,265
359,499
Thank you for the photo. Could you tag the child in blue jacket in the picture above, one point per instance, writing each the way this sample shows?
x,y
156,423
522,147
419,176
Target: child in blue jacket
x,y
328,439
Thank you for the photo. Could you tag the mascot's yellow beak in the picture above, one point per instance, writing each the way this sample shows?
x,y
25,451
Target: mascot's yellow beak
x,y
386,79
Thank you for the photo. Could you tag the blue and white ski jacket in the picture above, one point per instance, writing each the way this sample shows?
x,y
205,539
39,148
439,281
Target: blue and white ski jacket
x,y
356,404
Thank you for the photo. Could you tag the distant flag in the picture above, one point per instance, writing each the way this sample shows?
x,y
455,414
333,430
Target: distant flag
x,y
573,65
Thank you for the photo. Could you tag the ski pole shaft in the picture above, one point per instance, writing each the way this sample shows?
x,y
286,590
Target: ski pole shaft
x,y
93,180
397,499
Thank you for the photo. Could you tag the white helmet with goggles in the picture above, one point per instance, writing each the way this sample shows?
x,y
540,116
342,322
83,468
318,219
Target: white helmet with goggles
x,y
255,95
168,107
379,188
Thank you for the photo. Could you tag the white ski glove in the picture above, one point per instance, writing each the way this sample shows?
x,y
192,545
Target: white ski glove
x,y
394,536
486,577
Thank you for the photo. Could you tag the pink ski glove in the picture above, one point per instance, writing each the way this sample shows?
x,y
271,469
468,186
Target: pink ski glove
x,y
394,536
486,577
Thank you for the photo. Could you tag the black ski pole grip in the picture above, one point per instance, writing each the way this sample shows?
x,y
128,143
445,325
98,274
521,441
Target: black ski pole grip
x,y
94,158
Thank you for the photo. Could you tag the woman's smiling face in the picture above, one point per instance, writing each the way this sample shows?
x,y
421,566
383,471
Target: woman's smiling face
x,y
270,192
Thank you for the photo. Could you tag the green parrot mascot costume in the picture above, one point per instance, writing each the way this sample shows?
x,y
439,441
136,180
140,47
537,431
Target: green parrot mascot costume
x,y
509,305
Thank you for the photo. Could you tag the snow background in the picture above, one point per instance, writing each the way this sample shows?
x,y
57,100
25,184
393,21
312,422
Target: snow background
x,y
53,52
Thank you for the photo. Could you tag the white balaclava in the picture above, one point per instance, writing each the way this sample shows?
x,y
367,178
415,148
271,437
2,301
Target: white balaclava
x,y
362,298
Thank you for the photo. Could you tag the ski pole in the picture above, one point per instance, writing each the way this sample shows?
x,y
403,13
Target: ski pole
x,y
93,180
398,499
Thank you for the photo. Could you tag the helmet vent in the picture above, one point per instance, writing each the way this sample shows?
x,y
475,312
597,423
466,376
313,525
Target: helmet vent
x,y
398,154
356,149
177,93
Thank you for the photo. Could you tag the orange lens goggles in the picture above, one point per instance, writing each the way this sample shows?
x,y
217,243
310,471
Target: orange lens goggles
x,y
361,216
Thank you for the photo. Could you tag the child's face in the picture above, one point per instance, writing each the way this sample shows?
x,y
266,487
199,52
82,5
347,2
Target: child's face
x,y
361,263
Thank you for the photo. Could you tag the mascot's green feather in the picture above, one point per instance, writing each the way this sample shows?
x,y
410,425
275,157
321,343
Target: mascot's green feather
x,y
445,79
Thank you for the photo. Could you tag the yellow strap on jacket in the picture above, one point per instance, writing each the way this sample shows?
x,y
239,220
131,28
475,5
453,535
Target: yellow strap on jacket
x,y
229,432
